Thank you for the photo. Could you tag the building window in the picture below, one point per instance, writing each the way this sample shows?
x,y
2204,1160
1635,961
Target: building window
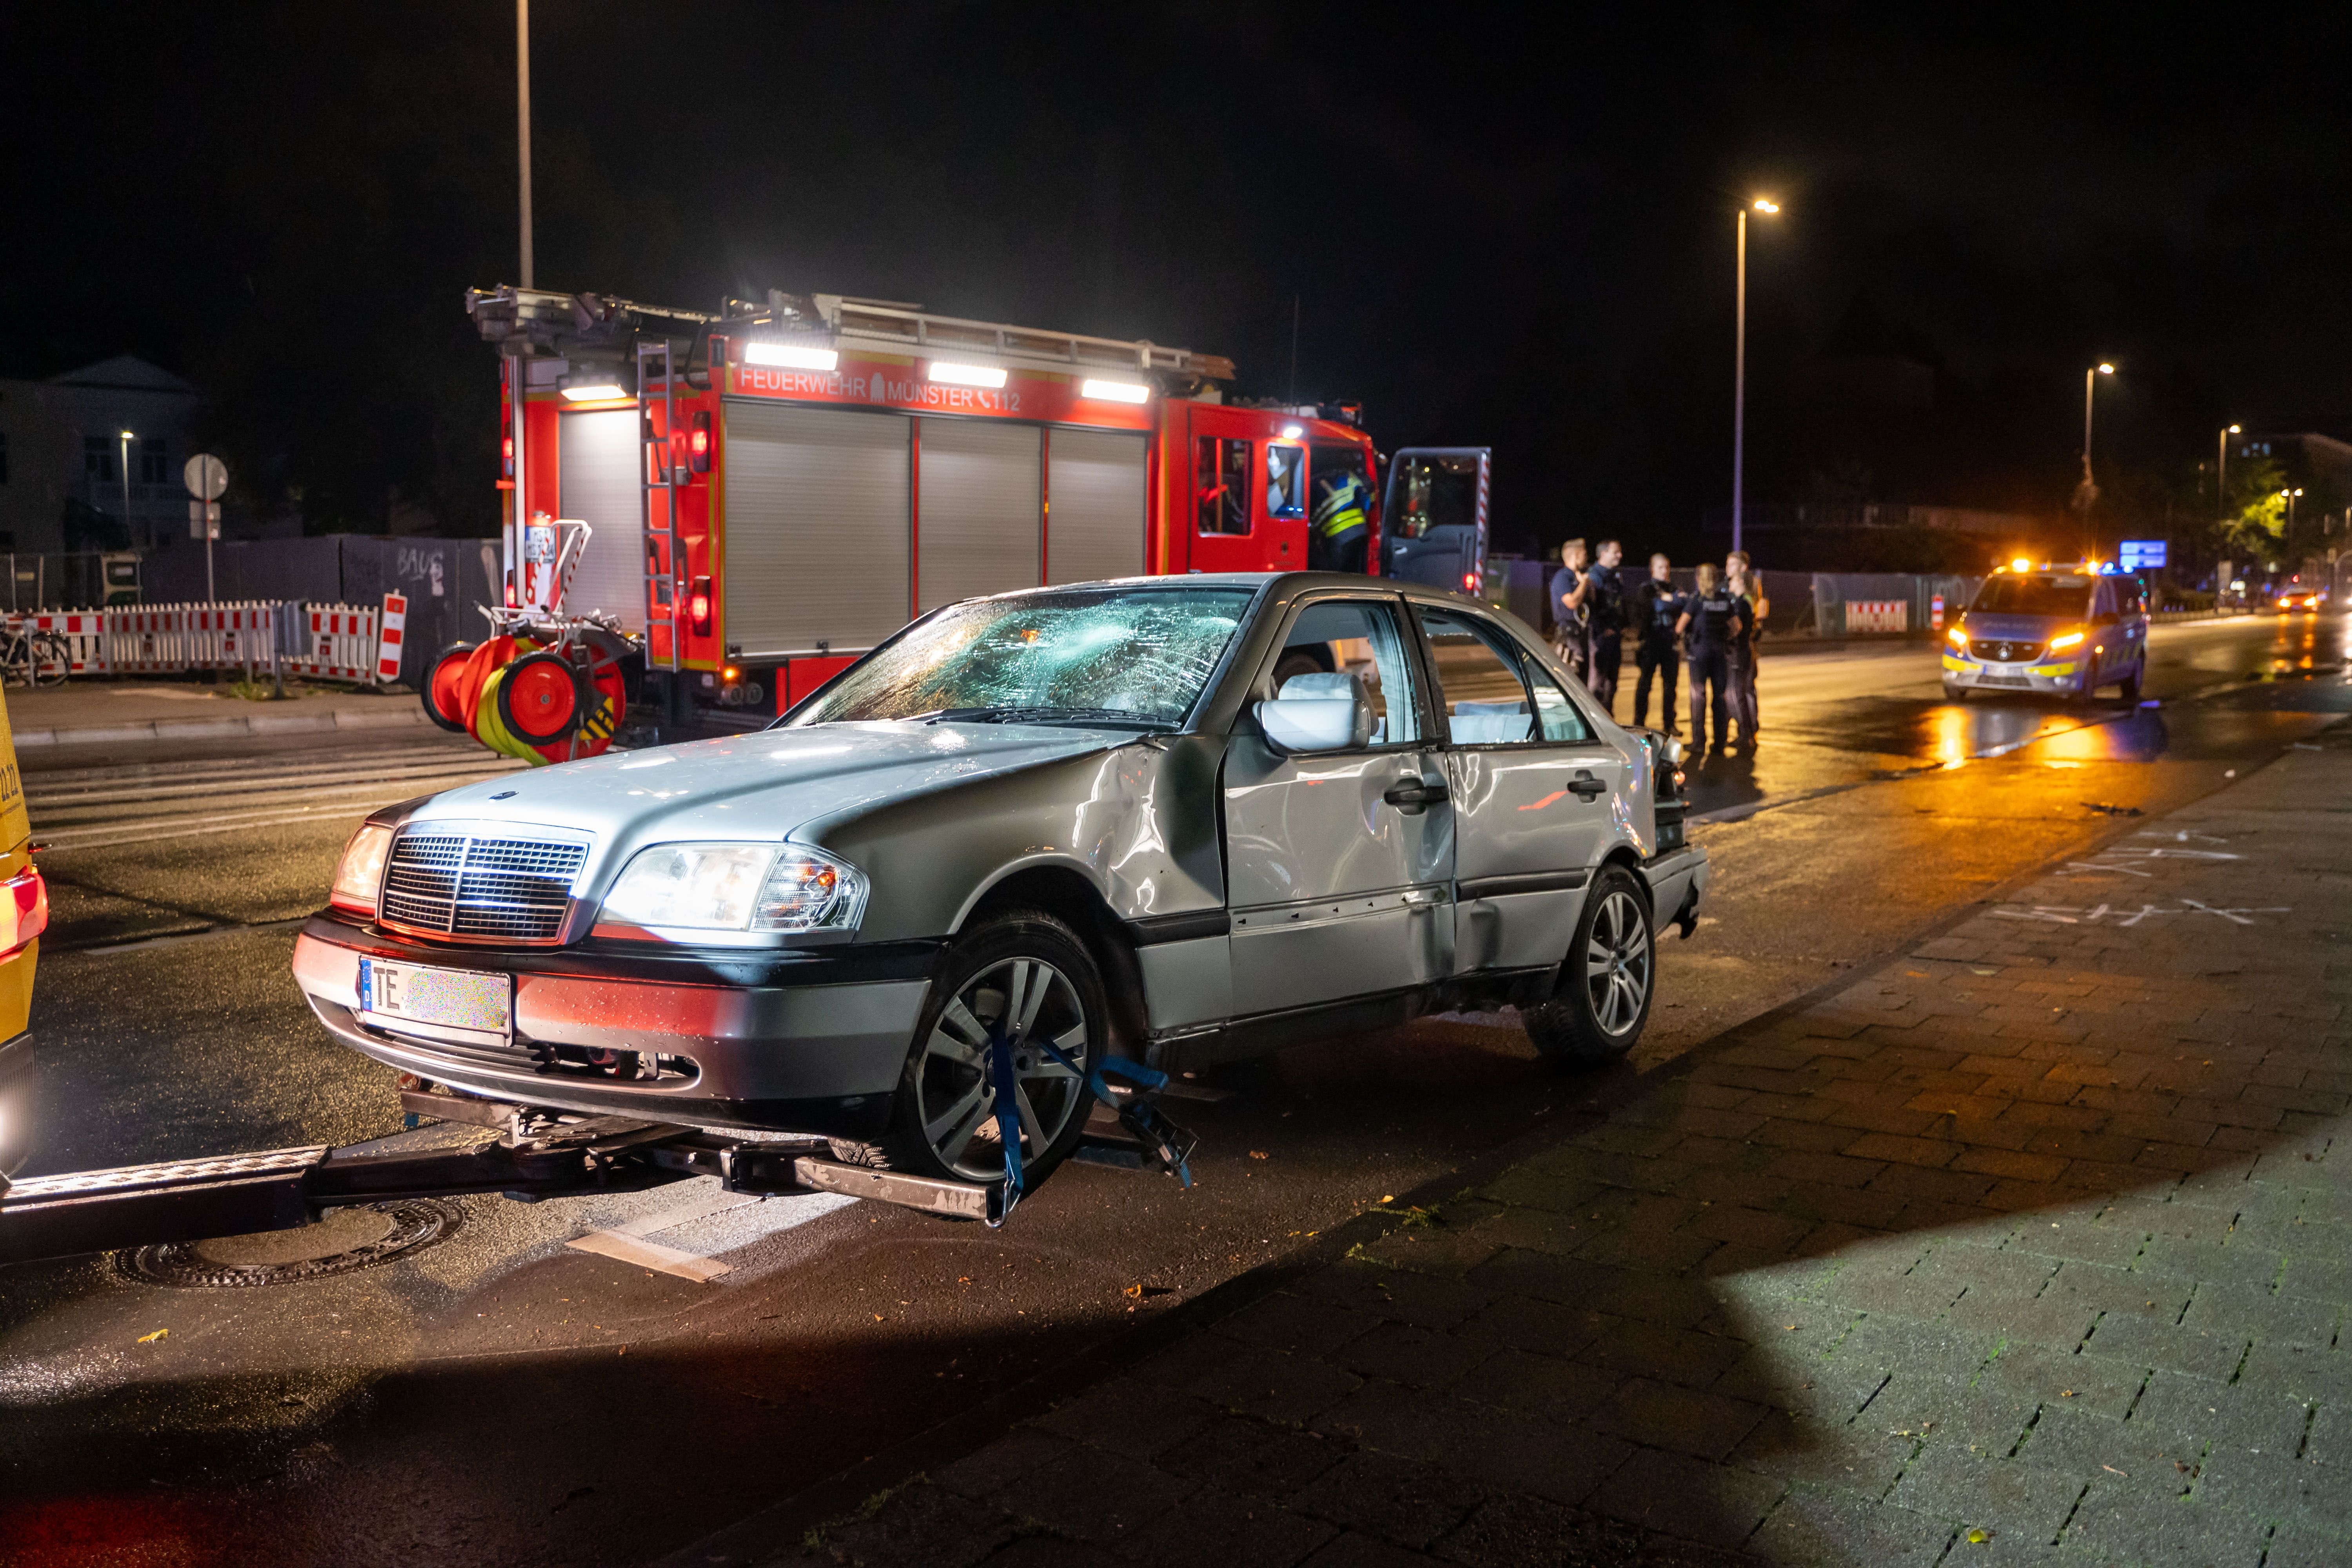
x,y
97,460
155,466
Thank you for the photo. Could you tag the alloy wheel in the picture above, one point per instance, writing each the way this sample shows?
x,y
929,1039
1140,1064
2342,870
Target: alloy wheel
x,y
999,1023
1617,963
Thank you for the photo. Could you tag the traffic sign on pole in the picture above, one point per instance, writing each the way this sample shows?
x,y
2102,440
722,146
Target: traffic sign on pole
x,y
207,480
207,476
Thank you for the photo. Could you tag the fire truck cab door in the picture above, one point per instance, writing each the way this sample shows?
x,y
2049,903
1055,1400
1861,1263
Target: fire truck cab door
x,y
1248,494
1433,517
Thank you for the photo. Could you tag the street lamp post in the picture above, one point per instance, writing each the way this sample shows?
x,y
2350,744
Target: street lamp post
x,y
2221,475
1739,366
127,438
2088,490
522,126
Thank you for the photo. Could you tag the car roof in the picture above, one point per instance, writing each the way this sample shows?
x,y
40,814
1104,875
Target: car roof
x,y
1284,584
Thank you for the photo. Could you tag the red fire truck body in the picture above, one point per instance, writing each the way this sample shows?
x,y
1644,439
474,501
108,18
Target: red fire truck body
x,y
775,490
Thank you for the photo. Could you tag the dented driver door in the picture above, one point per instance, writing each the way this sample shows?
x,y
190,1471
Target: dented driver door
x,y
1340,864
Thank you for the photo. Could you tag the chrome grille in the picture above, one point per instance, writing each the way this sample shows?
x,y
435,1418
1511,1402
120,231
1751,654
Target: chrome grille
x,y
479,888
2005,650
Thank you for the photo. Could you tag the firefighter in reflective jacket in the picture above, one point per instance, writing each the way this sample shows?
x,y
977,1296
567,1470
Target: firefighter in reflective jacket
x,y
1343,525
1714,620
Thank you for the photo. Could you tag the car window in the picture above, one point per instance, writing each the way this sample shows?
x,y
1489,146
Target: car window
x,y
1362,637
1479,685
1557,718
1285,480
1139,654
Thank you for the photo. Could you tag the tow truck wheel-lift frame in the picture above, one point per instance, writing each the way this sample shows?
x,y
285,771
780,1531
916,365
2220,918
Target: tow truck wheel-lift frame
x,y
539,1154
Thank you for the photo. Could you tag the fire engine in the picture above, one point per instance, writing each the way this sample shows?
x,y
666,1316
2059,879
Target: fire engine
x,y
773,491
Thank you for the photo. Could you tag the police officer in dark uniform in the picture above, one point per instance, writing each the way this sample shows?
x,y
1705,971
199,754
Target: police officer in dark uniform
x,y
1605,605
1710,623
1656,609
1570,590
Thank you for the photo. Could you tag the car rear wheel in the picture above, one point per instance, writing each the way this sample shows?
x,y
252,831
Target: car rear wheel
x,y
1007,991
2129,690
1601,999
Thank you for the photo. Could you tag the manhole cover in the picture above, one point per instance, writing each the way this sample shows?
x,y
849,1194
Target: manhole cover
x,y
343,1242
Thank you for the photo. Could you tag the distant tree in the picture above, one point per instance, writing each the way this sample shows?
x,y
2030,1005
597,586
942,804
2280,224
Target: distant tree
x,y
2255,525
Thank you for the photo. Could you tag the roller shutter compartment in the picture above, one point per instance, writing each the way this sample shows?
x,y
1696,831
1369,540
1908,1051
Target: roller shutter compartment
x,y
596,477
981,509
816,523
1095,496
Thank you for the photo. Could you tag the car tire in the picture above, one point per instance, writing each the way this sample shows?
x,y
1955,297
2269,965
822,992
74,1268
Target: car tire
x,y
943,1123
1592,1020
1955,693
2129,690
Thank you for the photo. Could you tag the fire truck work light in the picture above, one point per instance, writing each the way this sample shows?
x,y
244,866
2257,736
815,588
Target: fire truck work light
x,y
698,607
594,392
966,375
698,443
506,457
1293,432
791,355
1116,391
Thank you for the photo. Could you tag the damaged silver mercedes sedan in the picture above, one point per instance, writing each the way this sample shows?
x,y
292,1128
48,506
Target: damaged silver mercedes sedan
x,y
1173,820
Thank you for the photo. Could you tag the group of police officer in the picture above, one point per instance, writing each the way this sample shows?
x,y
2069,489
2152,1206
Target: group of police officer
x,y
1711,631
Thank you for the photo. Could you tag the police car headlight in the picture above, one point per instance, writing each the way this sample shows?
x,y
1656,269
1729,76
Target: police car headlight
x,y
736,886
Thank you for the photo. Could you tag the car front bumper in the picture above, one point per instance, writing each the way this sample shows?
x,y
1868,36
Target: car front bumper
x,y
2063,675
800,1042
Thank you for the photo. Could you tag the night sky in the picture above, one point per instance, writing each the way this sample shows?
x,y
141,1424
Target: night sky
x,y
1497,231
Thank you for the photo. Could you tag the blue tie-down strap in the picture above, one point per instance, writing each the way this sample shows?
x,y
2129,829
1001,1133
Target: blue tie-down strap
x,y
1001,1077
1169,1146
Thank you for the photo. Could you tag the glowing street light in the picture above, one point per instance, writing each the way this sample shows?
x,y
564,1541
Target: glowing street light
x,y
1769,207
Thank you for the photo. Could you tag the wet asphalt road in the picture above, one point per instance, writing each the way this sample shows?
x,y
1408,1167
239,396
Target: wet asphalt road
x,y
503,1398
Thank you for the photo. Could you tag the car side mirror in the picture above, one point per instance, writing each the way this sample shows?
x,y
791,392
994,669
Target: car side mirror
x,y
1318,712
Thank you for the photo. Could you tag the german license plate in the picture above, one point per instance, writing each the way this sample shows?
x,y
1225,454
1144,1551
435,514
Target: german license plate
x,y
458,1004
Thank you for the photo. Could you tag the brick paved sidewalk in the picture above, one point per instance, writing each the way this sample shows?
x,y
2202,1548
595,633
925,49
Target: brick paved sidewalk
x,y
2032,1246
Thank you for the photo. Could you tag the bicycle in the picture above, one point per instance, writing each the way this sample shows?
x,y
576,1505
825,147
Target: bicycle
x,y
33,658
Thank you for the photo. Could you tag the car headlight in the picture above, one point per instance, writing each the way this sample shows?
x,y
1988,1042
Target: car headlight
x,y
736,886
2065,640
1957,636
361,871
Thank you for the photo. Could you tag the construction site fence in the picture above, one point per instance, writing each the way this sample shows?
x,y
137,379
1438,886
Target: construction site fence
x,y
357,643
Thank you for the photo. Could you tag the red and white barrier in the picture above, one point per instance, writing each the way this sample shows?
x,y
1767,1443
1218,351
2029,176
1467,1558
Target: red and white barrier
x,y
1877,616
387,647
359,643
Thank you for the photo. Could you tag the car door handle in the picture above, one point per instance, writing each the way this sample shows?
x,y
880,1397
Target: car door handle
x,y
1587,788
1413,797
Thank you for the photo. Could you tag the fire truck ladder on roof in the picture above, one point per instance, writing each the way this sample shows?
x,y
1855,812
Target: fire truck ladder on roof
x,y
898,327
662,467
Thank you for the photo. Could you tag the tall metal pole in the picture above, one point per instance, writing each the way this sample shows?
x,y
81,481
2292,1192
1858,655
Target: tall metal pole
x,y
126,483
1740,381
2221,478
2090,379
522,123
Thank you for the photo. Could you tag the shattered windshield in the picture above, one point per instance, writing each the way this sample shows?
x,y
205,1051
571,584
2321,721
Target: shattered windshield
x,y
1137,656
